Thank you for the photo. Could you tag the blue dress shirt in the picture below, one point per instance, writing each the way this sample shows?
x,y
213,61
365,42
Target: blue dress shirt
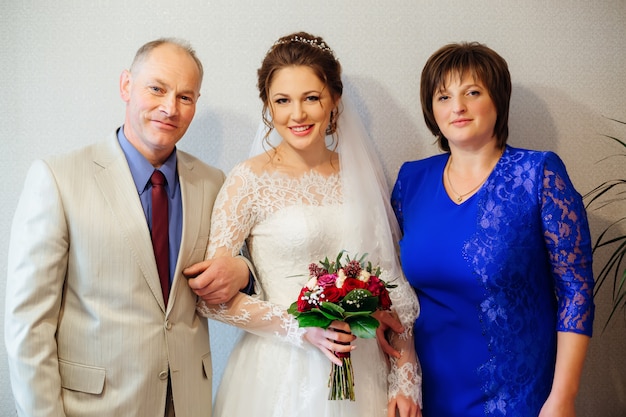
x,y
141,170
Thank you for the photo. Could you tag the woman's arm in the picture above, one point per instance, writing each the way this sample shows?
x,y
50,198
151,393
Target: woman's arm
x,y
270,320
570,357
405,377
567,237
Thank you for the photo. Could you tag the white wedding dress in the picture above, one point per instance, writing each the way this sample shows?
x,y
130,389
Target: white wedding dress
x,y
289,223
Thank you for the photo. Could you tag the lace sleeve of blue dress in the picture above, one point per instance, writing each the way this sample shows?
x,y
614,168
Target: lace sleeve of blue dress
x,y
567,237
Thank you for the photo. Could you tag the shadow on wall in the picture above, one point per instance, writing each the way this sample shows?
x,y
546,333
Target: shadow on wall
x,y
220,139
398,136
531,124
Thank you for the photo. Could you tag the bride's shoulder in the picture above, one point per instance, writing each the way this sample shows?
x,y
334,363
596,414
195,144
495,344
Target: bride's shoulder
x,y
259,164
255,166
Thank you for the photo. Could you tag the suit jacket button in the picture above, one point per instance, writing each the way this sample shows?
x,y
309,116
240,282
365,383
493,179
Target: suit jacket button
x,y
168,325
163,375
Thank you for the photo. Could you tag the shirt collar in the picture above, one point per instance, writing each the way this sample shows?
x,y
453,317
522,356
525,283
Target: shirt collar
x,y
142,170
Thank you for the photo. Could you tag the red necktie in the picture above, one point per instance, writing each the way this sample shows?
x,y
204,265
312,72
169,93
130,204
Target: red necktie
x,y
160,231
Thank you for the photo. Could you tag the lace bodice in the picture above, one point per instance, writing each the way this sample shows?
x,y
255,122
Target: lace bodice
x,y
287,223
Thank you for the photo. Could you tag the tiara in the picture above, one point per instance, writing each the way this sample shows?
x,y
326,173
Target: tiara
x,y
312,42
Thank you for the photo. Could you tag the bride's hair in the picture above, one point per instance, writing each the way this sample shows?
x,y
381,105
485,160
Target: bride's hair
x,y
301,49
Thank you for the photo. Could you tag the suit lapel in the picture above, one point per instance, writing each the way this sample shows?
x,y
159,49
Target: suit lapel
x,y
192,194
117,186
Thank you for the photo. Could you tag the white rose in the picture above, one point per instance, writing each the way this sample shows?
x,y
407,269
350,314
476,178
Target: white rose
x,y
312,283
341,277
364,275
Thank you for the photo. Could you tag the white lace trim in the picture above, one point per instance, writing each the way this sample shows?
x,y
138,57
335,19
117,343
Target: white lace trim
x,y
250,198
258,317
406,380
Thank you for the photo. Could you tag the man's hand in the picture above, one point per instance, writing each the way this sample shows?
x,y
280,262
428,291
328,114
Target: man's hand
x,y
388,321
219,279
336,338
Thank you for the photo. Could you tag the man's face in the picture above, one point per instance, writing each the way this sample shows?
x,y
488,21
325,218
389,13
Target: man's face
x,y
160,94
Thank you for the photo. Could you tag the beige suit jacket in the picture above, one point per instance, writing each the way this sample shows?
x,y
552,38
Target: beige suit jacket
x,y
87,332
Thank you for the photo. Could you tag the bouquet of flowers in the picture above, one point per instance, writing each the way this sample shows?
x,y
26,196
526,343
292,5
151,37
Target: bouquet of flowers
x,y
348,292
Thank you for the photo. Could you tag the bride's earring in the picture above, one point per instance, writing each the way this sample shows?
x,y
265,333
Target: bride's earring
x,y
332,124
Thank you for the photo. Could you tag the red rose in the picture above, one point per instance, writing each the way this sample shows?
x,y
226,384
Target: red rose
x,y
332,294
352,283
303,304
375,286
384,301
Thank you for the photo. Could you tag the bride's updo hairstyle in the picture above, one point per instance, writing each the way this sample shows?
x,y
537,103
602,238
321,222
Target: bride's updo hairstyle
x,y
301,49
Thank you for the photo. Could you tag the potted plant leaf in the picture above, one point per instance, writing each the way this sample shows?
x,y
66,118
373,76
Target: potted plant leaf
x,y
612,240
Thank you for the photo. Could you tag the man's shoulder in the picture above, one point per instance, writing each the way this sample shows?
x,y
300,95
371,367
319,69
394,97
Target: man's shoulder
x,y
196,164
107,147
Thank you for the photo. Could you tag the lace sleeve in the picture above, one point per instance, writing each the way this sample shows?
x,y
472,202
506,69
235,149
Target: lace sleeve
x,y
256,316
405,376
567,237
234,215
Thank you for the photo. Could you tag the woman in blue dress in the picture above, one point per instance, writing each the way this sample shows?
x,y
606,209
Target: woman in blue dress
x,y
496,243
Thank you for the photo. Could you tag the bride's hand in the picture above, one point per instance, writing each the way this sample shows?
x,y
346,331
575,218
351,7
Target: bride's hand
x,y
336,338
403,406
388,321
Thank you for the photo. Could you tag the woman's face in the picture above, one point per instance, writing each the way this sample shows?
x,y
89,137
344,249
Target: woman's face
x,y
465,112
300,105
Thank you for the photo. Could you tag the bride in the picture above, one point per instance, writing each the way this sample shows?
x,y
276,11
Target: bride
x,y
311,190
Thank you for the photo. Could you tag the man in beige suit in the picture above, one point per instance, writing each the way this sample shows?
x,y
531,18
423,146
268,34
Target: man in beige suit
x,y
87,330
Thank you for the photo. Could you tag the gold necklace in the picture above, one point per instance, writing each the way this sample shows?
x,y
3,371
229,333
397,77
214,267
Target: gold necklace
x,y
460,197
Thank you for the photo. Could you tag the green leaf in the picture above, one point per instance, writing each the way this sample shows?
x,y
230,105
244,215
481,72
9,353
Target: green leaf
x,y
329,314
326,265
358,313
362,259
313,320
338,261
332,308
293,309
359,300
357,294
363,326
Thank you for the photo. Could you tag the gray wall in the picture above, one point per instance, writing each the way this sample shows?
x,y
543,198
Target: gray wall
x,y
60,63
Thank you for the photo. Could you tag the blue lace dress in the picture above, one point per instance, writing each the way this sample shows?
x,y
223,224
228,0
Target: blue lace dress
x,y
496,277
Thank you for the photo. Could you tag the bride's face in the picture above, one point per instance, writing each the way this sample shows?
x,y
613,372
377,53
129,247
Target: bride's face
x,y
300,105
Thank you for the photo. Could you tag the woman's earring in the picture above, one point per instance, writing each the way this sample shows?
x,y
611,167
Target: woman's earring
x,y
332,123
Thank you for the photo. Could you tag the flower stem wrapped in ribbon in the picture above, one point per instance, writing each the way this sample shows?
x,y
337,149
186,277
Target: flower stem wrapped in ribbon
x,y
348,292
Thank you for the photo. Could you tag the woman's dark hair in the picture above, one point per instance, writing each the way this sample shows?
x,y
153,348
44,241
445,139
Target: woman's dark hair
x,y
484,65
